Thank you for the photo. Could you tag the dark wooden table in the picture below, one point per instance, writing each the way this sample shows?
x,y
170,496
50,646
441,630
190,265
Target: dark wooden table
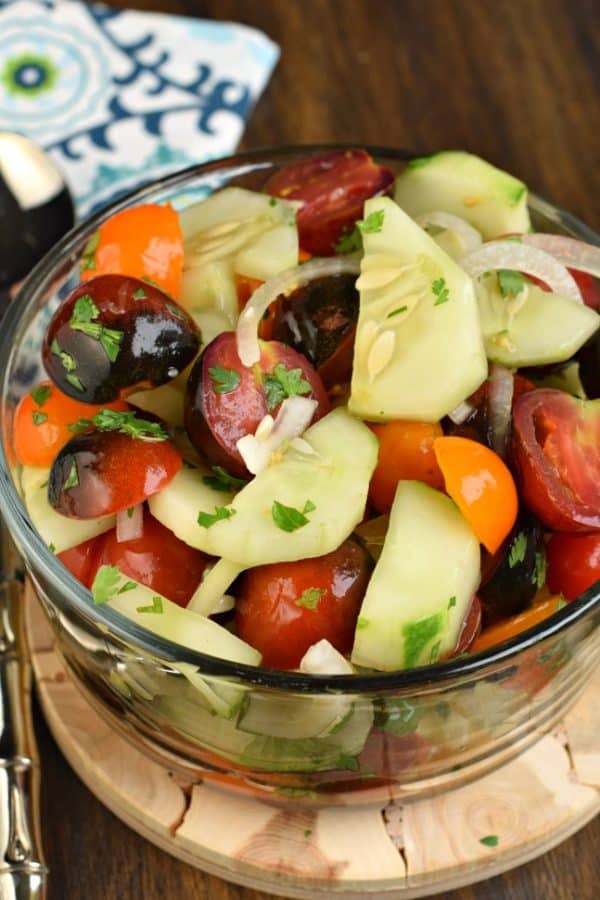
x,y
516,81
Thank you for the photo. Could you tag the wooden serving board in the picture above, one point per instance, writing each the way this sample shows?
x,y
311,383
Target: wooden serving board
x,y
392,851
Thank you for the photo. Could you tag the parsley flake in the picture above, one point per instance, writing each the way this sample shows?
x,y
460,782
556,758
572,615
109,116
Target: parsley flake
x,y
38,417
272,201
539,576
451,602
52,547
309,598
282,383
361,622
88,257
128,586
518,550
140,294
224,380
440,290
434,230
72,479
435,652
83,318
128,423
490,840
41,394
510,283
347,761
105,584
396,312
289,519
156,607
352,241
176,311
221,512
223,481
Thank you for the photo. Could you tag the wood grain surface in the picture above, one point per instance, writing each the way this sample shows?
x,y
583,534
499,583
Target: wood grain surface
x,y
517,81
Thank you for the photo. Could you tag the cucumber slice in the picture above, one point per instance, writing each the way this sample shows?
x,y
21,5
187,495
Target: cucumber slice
x,y
59,532
334,479
211,324
216,582
211,287
165,401
422,585
254,233
453,181
418,350
175,623
297,717
535,327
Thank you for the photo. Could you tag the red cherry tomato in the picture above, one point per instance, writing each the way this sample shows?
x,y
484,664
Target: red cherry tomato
x,y
284,608
82,560
100,473
157,559
332,188
226,400
42,419
555,447
143,242
573,563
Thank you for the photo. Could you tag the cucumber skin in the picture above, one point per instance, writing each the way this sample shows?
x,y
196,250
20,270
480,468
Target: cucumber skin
x,y
430,556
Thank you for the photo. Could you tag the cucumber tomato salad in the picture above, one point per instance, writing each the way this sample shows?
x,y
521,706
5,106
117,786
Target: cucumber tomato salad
x,y
344,423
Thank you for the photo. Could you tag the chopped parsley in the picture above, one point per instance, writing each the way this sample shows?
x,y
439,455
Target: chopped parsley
x,y
177,312
307,832
224,380
130,512
156,607
139,294
75,381
451,602
310,598
396,312
105,584
490,840
361,622
282,383
67,361
517,550
352,241
539,576
435,652
52,547
88,257
221,512
41,394
272,201
510,283
83,318
418,634
128,423
434,230
289,519
347,761
72,479
38,417
442,294
222,481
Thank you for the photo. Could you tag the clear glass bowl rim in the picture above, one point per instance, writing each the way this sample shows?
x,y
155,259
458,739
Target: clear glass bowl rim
x,y
73,594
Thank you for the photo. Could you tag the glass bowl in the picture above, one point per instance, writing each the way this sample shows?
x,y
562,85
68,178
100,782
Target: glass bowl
x,y
286,737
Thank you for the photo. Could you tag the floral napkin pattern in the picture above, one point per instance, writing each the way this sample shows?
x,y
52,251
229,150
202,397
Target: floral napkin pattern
x,y
118,97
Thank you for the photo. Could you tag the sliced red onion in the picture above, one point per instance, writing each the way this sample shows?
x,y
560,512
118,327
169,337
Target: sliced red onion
x,y
261,299
522,258
500,406
568,251
323,659
461,413
292,420
469,237
130,523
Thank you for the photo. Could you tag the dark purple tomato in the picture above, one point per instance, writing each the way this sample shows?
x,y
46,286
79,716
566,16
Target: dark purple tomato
x,y
114,334
319,320
226,400
99,473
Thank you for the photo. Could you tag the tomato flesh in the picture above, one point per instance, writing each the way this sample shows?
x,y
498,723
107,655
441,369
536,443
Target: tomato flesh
x,y
573,563
284,608
555,448
218,414
332,188
405,452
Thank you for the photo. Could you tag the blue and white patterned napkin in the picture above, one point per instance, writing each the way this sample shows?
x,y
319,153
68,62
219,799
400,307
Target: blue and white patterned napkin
x,y
120,97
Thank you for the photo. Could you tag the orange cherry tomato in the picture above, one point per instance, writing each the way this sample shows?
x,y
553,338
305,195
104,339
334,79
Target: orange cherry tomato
x,y
143,242
245,287
42,419
405,452
481,486
510,628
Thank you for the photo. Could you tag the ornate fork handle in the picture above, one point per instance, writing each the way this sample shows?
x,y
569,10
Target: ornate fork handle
x,y
23,873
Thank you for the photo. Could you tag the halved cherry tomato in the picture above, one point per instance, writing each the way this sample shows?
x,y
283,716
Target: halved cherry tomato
x,y
332,188
143,242
157,559
481,486
99,473
284,608
42,419
82,560
405,452
226,400
510,628
555,446
573,563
